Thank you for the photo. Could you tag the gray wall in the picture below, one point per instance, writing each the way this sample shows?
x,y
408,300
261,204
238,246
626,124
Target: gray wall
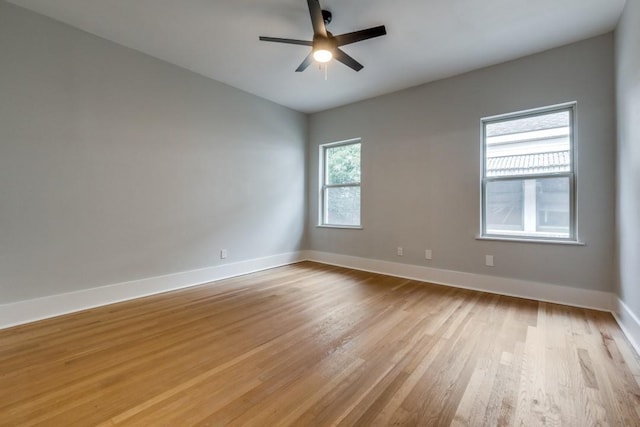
x,y
115,166
421,168
628,173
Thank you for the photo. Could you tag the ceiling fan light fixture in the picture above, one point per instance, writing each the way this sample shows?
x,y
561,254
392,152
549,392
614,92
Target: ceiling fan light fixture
x,y
325,46
322,55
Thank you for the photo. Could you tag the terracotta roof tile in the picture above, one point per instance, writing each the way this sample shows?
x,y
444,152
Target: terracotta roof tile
x,y
526,164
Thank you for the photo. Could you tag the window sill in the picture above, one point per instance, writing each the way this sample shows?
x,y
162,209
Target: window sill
x,y
532,240
344,227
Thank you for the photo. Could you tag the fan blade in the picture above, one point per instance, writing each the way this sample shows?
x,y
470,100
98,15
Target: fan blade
x,y
288,41
316,18
339,55
357,36
305,63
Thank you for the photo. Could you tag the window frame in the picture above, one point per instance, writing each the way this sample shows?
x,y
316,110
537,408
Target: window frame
x,y
523,236
324,187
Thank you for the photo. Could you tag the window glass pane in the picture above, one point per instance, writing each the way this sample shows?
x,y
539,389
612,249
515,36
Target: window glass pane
x,y
539,207
343,206
553,206
537,144
343,164
504,203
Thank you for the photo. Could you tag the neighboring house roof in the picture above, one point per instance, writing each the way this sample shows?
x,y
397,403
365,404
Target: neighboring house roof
x,y
525,164
528,124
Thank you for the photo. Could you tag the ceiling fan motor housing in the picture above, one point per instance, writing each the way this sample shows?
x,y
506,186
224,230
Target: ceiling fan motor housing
x,y
324,43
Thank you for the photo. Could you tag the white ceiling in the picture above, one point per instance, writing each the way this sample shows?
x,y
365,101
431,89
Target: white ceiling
x,y
425,41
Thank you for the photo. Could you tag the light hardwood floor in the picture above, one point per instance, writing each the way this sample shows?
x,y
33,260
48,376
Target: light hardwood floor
x,y
309,344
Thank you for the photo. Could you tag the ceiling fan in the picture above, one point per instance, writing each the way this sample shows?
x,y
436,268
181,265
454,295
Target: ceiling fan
x,y
325,45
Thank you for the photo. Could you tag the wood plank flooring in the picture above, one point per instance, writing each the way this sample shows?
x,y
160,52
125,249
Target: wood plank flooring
x,y
315,345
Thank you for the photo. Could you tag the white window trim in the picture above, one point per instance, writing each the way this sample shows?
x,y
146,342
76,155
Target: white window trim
x,y
572,174
322,187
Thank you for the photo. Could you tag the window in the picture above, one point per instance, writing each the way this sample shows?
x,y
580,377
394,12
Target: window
x,y
340,179
528,175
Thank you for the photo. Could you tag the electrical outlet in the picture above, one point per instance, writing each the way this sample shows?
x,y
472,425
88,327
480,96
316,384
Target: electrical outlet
x,y
427,254
400,251
488,260
223,254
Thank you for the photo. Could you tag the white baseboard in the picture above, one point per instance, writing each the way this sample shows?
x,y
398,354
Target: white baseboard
x,y
576,297
21,312
629,323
